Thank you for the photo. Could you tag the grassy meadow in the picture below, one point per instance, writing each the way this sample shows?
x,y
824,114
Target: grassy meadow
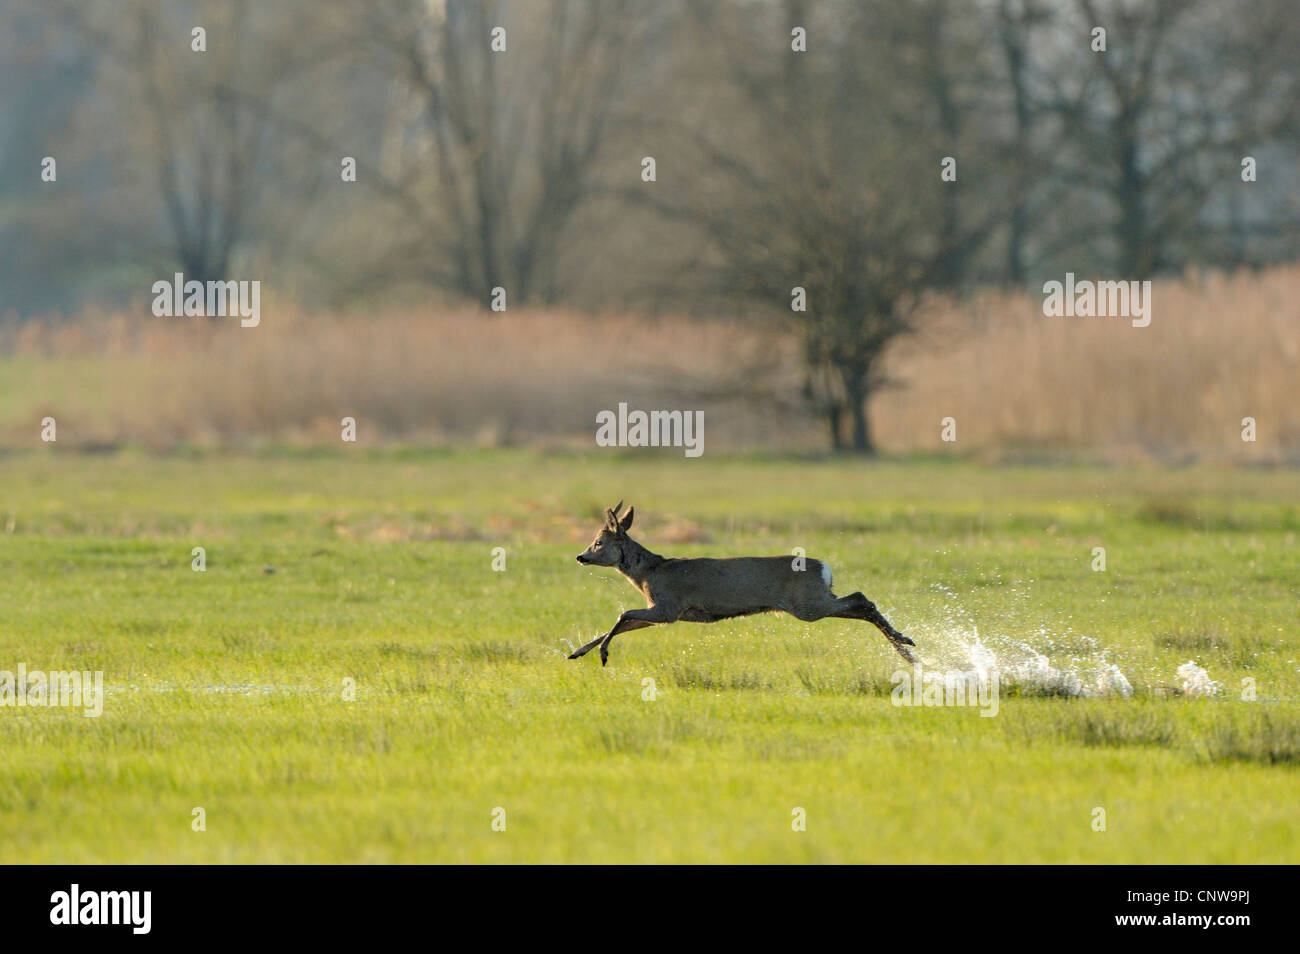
x,y
225,689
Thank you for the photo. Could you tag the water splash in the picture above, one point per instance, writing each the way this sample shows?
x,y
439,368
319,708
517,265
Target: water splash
x,y
1039,661
1023,664
1197,681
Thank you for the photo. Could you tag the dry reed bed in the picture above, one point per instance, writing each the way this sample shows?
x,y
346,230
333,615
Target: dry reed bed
x,y
1219,348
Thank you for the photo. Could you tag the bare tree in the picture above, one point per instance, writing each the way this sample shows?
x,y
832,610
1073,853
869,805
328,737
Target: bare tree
x,y
1167,110
513,124
188,120
831,185
1018,25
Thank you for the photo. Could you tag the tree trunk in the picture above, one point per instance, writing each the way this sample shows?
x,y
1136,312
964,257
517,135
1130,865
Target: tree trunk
x,y
834,414
1137,246
1015,35
862,429
855,389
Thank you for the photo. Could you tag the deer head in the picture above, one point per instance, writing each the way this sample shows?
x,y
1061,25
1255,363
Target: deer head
x,y
607,548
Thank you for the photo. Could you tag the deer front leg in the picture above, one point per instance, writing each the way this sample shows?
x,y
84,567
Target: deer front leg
x,y
632,619
623,625
637,619
587,648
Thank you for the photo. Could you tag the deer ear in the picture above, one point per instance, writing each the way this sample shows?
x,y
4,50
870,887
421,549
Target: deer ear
x,y
627,519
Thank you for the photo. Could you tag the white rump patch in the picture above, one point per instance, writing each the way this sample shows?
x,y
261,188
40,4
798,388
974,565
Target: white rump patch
x,y
826,574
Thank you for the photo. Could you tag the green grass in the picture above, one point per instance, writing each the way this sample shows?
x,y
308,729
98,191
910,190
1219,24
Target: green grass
x,y
226,687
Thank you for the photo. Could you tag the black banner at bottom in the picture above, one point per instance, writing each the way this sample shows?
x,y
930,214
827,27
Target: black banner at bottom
x,y
333,904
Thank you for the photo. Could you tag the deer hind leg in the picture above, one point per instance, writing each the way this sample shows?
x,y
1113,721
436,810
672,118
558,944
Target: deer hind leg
x,y
857,606
811,609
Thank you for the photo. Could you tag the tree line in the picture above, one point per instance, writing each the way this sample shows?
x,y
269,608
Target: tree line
x,y
826,165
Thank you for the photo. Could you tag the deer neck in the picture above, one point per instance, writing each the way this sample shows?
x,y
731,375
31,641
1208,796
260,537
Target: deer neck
x,y
638,563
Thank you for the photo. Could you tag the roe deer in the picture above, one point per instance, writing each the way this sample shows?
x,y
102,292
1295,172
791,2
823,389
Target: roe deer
x,y
704,591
